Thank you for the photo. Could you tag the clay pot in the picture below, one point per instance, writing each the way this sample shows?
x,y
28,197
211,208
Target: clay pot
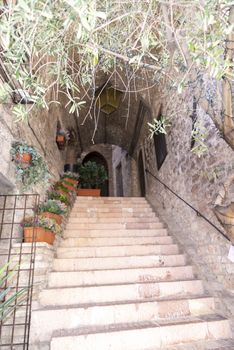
x,y
38,234
67,194
72,181
61,142
23,157
58,218
70,187
89,192
60,138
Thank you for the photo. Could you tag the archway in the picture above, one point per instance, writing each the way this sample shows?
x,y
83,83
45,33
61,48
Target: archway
x,y
141,174
99,159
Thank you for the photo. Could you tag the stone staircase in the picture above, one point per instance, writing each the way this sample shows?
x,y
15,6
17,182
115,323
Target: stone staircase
x,y
119,282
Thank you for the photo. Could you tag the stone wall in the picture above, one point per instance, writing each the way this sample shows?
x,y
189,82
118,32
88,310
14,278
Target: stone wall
x,y
40,132
197,180
122,172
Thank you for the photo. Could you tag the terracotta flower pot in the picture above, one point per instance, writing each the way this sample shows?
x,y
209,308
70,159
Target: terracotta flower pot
x,y
72,181
56,217
38,234
66,194
61,142
89,192
70,187
60,138
24,157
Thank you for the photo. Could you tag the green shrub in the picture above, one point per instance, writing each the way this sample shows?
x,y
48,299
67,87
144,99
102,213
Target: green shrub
x,y
60,197
53,206
92,175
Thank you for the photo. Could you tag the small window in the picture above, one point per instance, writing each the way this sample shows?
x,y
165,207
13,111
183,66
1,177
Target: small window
x,y
160,148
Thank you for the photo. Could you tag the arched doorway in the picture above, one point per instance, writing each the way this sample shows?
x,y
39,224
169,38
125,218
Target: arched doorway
x,y
99,159
141,173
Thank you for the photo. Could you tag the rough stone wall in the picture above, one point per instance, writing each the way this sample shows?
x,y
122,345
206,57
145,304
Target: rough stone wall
x,y
120,157
39,132
197,180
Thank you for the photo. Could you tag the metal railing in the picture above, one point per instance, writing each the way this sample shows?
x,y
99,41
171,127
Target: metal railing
x,y
189,205
20,257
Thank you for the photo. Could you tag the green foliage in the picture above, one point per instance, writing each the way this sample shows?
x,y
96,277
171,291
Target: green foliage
x,y
60,186
9,300
91,175
62,45
20,112
69,184
60,197
4,93
199,135
53,206
31,174
207,36
46,223
158,126
70,175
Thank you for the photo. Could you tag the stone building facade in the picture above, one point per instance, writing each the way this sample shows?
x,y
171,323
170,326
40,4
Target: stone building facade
x,y
123,140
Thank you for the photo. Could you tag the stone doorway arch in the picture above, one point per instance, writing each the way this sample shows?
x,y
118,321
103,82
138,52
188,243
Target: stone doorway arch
x,y
99,159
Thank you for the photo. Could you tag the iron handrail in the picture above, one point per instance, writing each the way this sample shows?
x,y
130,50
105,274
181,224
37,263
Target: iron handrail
x,y
189,205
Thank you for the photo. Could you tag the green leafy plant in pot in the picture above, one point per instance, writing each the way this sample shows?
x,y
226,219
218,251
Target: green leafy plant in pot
x,y
53,209
91,176
59,197
30,167
70,177
40,229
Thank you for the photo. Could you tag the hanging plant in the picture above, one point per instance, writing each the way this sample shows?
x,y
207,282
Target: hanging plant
x,y
31,169
62,137
22,153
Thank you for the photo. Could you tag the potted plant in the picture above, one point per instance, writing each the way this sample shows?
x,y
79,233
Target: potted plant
x,y
53,209
62,137
70,186
91,176
70,177
59,197
22,153
32,172
62,189
40,229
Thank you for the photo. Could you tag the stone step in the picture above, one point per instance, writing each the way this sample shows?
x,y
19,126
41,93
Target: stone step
x,y
98,277
115,233
107,209
166,252
106,263
122,207
109,198
45,322
114,215
146,336
115,241
143,204
115,226
94,203
117,293
223,344
106,220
